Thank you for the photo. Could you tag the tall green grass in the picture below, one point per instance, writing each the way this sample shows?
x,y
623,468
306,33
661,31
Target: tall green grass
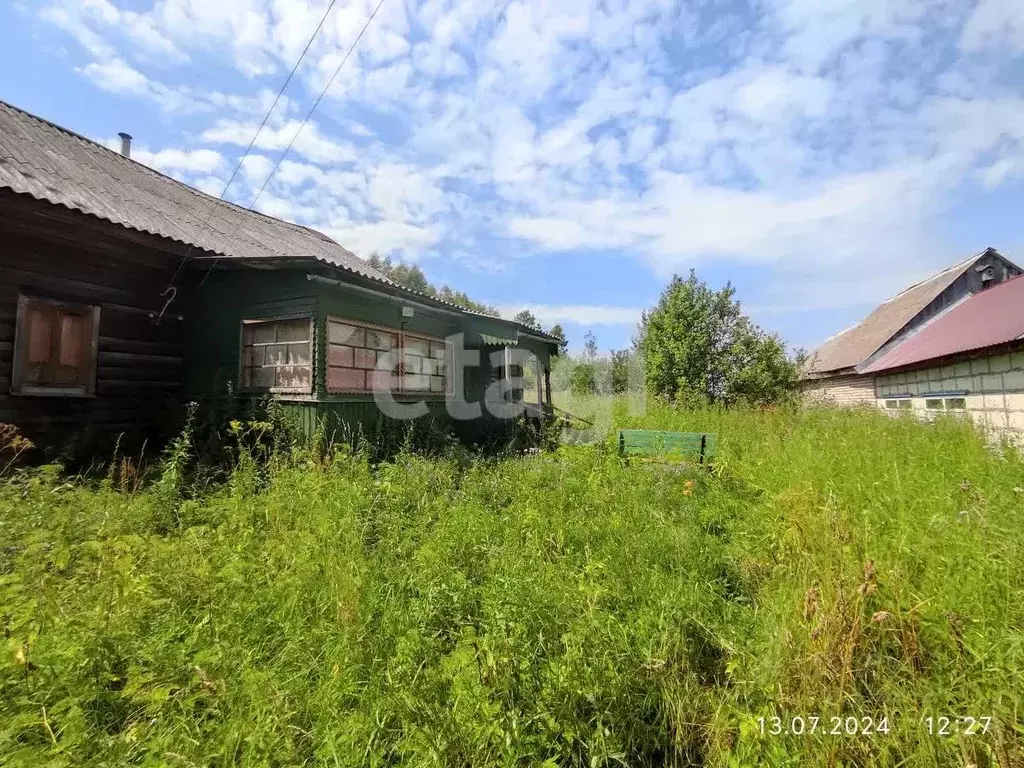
x,y
570,608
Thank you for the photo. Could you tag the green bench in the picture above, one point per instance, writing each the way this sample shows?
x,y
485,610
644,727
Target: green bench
x,y
646,442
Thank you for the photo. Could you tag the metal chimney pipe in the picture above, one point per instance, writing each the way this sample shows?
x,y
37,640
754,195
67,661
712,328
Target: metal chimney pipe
x,y
126,144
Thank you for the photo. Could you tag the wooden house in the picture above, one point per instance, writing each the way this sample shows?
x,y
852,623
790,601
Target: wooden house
x,y
125,293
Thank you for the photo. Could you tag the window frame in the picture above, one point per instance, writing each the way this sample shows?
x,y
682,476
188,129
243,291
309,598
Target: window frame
x,y
250,390
19,362
402,335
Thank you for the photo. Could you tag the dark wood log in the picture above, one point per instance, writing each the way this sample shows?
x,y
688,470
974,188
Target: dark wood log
x,y
55,253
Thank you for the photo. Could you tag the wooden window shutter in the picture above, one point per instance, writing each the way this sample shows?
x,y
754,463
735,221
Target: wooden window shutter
x,y
40,321
71,358
56,348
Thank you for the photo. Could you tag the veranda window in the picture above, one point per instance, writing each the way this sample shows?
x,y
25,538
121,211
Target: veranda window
x,y
362,358
277,355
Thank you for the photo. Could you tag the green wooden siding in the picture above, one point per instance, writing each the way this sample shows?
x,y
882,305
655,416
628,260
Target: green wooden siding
x,y
213,338
344,421
214,323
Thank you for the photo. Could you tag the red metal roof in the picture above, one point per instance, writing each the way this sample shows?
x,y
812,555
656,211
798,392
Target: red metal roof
x,y
986,319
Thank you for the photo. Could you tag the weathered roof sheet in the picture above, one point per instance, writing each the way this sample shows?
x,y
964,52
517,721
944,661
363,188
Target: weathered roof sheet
x,y
986,319
854,345
50,163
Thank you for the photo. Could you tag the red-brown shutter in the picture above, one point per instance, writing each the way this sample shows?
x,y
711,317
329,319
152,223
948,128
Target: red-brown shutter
x,y
71,367
40,334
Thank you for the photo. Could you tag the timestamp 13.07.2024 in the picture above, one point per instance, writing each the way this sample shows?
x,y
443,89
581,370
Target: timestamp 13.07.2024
x,y
942,726
816,725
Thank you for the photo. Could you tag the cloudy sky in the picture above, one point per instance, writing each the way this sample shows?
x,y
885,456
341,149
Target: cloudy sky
x,y
571,155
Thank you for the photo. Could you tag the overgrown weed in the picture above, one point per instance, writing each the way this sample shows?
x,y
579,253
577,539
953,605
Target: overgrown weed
x,y
565,608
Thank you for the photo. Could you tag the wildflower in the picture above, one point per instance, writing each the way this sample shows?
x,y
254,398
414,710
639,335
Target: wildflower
x,y
688,487
881,616
20,656
810,603
867,587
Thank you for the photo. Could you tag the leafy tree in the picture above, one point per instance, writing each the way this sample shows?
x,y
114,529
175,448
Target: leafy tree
x,y
590,345
558,333
408,276
527,318
620,371
460,299
697,344
413,278
583,380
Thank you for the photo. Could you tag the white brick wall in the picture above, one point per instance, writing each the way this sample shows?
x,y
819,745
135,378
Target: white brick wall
x,y
994,386
839,390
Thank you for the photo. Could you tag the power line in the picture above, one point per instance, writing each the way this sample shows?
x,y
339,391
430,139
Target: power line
x,y
248,149
305,120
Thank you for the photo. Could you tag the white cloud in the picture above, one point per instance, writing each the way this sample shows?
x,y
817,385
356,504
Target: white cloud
x,y
211,185
95,22
194,166
816,140
196,161
310,142
774,94
117,77
992,24
818,30
256,170
548,314
384,236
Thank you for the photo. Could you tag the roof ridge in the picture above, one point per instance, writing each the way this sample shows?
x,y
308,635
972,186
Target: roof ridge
x,y
189,187
963,264
980,320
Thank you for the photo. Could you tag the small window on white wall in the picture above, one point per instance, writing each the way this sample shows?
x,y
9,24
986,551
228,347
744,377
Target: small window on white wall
x,y
956,404
902,404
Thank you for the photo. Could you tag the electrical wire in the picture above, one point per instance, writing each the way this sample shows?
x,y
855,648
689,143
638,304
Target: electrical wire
x,y
305,120
248,149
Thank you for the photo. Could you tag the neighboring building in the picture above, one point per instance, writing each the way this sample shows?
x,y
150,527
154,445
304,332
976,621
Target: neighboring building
x,y
124,292
835,372
968,360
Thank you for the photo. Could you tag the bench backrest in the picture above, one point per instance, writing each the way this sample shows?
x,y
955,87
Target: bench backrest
x,y
647,442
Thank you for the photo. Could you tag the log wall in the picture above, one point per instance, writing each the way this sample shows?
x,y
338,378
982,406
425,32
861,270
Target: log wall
x,y
50,251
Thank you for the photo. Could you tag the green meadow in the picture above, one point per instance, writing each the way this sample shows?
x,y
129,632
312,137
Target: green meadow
x,y
563,608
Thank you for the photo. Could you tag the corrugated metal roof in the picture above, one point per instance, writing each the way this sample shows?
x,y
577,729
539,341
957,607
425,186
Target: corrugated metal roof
x,y
986,319
855,345
50,163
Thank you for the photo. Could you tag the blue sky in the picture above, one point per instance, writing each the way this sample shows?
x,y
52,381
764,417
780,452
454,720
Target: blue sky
x,y
570,156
